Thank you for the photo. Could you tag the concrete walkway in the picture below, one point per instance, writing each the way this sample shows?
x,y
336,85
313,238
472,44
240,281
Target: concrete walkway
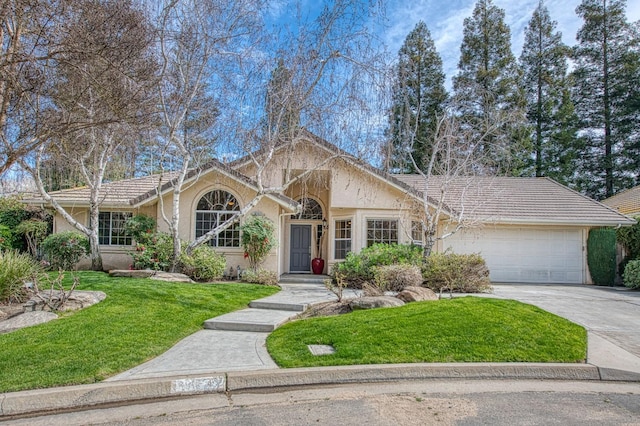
x,y
229,355
236,341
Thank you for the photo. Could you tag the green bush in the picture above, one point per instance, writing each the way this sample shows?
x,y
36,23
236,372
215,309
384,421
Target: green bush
x,y
629,238
140,227
203,264
260,276
15,269
12,212
6,237
465,273
359,268
397,277
601,255
156,253
257,238
631,277
65,249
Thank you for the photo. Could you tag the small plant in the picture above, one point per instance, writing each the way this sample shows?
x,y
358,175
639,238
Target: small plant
x,y
65,249
631,277
140,227
257,238
55,298
260,276
203,264
336,287
397,277
465,273
155,253
12,212
16,269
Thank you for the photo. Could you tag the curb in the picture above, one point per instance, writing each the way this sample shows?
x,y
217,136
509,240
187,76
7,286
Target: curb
x,y
80,397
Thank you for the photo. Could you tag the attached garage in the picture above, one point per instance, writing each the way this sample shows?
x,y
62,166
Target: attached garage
x,y
524,254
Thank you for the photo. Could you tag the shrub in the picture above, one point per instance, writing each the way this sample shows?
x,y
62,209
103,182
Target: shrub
x,y
15,269
257,238
34,231
601,255
465,273
260,276
12,212
631,277
397,277
140,227
6,237
359,268
629,238
65,249
156,253
203,264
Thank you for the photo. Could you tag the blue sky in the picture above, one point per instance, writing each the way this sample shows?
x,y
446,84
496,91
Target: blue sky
x,y
444,19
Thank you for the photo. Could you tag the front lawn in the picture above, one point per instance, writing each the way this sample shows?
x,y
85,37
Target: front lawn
x,y
468,329
139,320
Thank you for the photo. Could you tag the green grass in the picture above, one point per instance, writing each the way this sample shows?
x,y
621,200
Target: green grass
x,y
466,329
139,319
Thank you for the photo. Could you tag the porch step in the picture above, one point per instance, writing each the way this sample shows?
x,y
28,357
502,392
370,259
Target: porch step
x,y
303,279
251,319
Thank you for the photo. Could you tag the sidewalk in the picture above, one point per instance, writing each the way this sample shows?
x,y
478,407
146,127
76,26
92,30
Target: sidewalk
x,y
230,355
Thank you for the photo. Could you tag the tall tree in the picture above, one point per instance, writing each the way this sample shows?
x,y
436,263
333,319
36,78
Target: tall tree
x,y
606,76
102,79
418,102
544,64
488,88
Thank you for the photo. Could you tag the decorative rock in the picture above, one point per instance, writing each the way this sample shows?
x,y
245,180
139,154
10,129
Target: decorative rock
x,y
127,273
25,320
416,294
83,299
149,273
171,277
372,302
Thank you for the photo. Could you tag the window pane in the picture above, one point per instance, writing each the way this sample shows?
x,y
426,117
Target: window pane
x,y
213,210
342,238
382,231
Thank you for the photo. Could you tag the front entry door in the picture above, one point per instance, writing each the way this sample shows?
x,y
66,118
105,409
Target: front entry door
x,y
300,258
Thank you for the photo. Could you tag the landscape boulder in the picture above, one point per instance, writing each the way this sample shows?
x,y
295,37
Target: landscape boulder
x,y
416,294
371,302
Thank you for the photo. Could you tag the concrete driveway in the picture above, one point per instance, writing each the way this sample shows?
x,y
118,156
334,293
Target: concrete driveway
x,y
612,313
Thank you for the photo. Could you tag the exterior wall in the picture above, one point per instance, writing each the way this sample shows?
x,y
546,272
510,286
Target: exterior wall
x,y
189,199
113,257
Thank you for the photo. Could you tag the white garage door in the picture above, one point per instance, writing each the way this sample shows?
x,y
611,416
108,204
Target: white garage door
x,y
525,255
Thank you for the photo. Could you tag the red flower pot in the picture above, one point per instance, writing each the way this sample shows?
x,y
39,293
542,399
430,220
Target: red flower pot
x,y
317,265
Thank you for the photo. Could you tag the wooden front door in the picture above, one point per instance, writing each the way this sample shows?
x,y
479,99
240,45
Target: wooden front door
x,y
300,248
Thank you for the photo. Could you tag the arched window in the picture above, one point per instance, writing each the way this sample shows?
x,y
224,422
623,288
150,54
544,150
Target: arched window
x,y
213,209
311,210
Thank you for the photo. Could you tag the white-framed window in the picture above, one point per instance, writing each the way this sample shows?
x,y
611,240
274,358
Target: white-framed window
x,y
382,231
111,230
342,238
213,209
417,233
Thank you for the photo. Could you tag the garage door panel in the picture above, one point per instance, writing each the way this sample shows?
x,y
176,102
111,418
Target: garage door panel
x,y
525,254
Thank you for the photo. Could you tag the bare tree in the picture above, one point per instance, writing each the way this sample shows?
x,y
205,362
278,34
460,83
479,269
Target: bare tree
x,y
453,173
102,80
317,78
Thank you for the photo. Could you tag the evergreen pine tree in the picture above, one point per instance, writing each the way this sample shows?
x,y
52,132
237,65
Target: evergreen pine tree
x,y
605,96
488,90
549,109
418,102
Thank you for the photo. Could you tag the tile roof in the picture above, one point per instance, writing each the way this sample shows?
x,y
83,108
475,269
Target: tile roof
x,y
513,200
626,202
